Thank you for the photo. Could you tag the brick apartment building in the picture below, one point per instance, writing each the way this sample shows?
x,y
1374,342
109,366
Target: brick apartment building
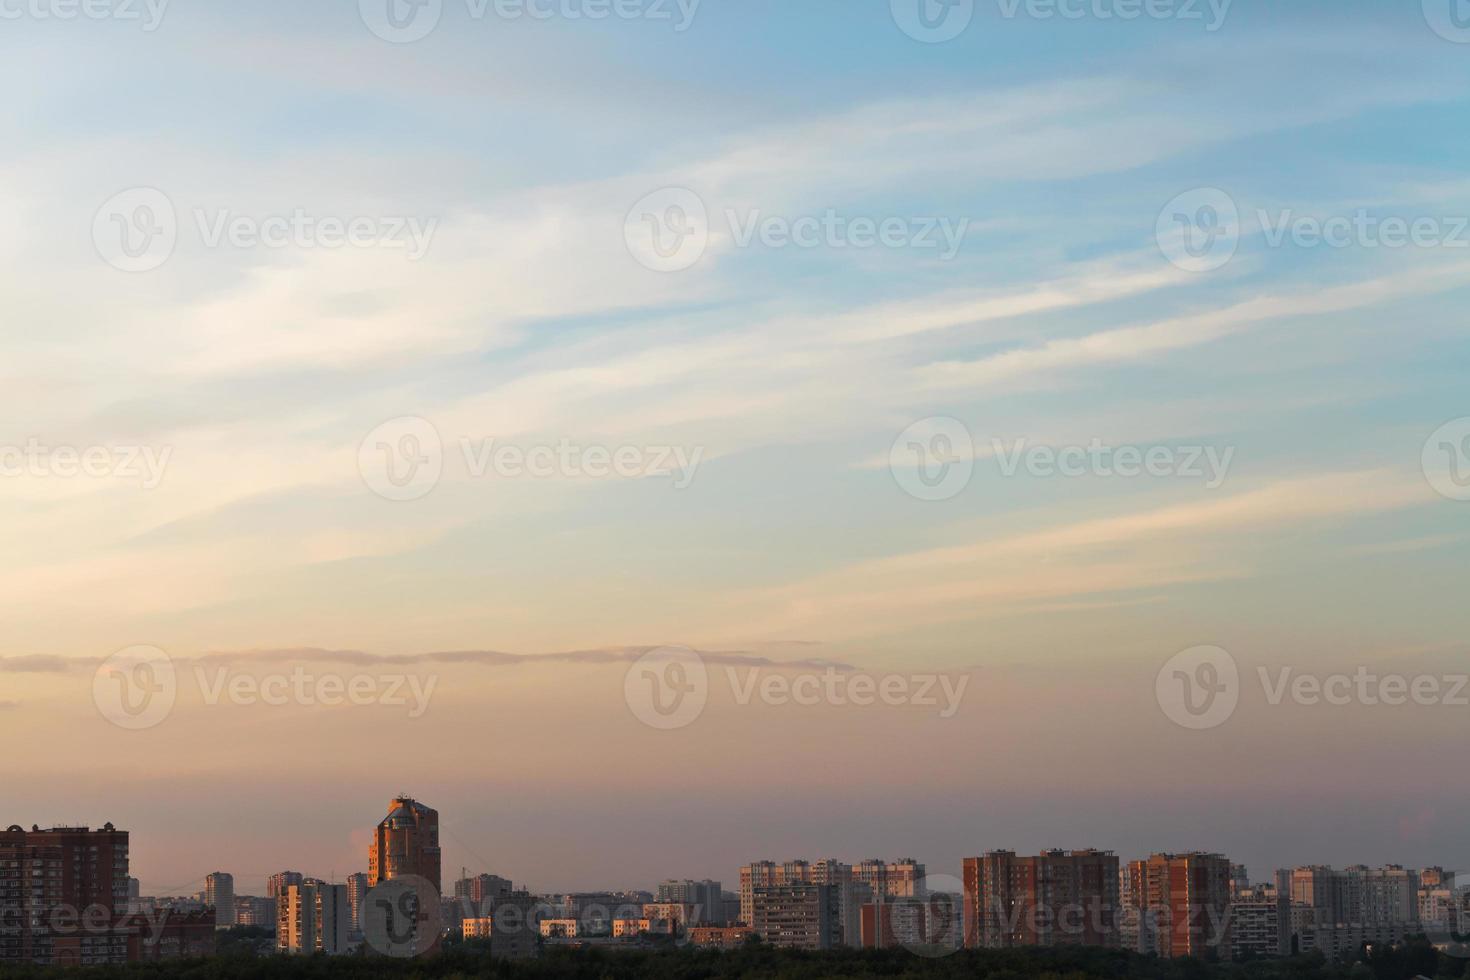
x,y
1058,898
64,895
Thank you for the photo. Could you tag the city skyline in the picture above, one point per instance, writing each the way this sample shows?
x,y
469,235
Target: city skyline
x,y
68,897
1257,874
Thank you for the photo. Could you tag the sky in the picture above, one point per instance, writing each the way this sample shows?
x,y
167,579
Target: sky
x,y
536,367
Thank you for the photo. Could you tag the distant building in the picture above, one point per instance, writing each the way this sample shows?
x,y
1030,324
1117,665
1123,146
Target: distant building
x,y
1135,930
757,874
1357,895
889,924
680,915
62,892
558,928
313,917
595,911
480,891
1259,922
721,937
1182,903
172,936
276,884
903,878
253,910
1444,909
630,928
895,879
851,897
935,921
1240,878
1390,895
515,926
1344,941
707,896
798,915
357,889
219,891
406,843
1058,898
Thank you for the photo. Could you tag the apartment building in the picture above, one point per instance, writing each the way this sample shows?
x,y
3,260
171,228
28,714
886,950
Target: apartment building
x,y
313,917
406,842
800,915
219,891
1057,898
62,892
1182,904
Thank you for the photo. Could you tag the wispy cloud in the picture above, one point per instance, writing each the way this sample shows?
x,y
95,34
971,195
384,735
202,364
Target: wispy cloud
x,y
476,658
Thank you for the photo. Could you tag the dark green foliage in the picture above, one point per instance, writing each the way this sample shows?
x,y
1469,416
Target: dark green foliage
x,y
757,962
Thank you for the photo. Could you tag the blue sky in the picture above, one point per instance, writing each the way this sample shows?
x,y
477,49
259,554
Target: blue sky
x,y
531,319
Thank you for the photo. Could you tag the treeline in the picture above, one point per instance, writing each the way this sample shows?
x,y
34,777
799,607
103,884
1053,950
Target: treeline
x,y
757,962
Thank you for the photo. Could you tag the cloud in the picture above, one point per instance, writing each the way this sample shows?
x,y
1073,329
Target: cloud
x,y
1100,560
478,658
38,664
1126,344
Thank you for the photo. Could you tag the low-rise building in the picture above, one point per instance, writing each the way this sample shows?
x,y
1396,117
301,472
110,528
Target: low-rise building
x,y
163,935
252,910
559,928
1343,941
721,937
477,927
680,914
630,928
